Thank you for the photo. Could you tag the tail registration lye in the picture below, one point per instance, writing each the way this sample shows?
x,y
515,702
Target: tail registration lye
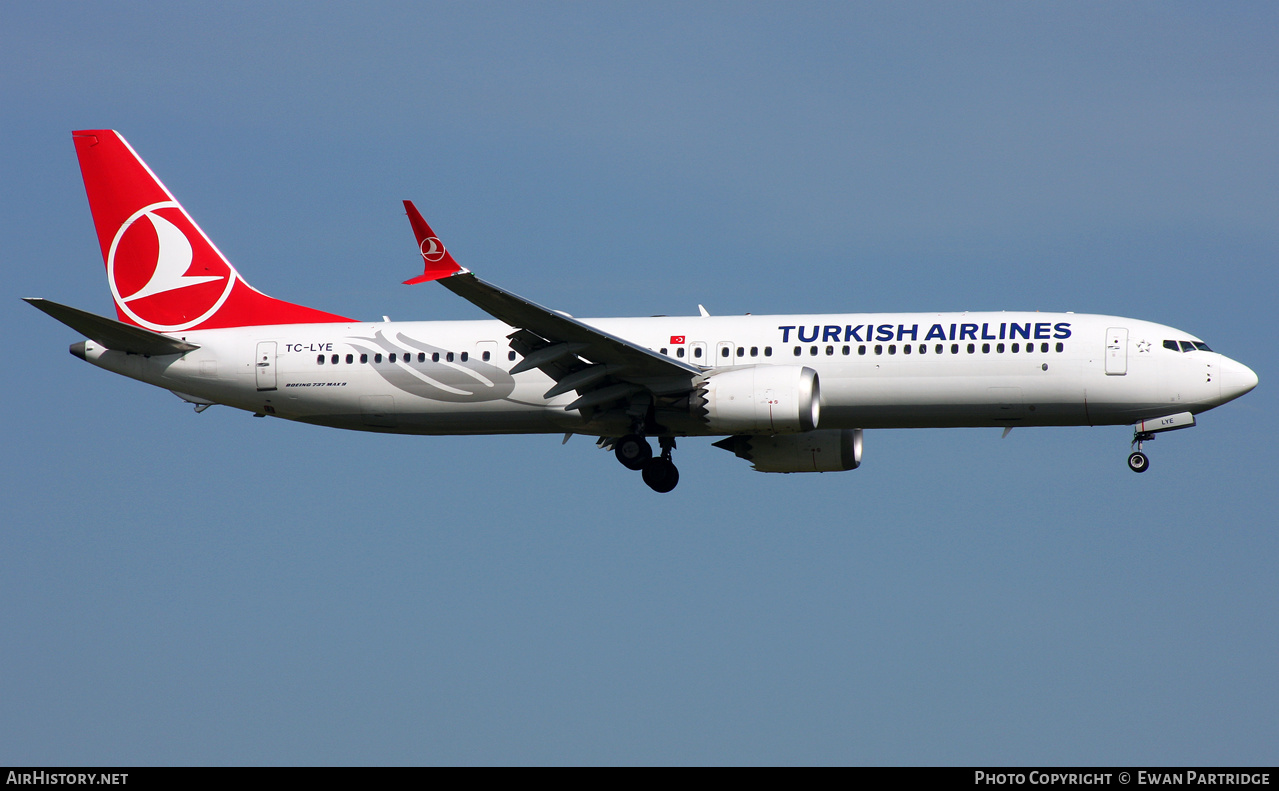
x,y
787,393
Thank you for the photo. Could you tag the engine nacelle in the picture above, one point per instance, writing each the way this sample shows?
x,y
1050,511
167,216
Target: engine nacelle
x,y
760,399
832,450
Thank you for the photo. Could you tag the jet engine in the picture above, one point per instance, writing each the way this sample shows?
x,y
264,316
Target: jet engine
x,y
760,399
831,450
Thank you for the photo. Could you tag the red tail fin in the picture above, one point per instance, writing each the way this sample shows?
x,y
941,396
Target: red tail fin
x,y
165,274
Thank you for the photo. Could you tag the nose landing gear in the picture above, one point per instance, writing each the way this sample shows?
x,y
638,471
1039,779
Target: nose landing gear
x,y
1138,461
1145,430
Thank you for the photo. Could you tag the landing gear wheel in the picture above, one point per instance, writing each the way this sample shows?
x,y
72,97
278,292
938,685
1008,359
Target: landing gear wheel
x,y
1137,462
660,475
633,451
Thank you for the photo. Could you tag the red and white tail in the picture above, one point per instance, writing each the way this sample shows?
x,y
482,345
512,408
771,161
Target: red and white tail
x,y
165,274
437,259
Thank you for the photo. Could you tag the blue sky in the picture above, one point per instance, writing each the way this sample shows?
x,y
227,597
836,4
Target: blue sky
x,y
215,589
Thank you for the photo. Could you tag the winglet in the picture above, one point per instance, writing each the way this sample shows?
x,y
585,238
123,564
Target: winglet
x,y
438,260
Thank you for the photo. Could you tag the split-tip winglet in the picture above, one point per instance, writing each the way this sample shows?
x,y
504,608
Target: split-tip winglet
x,y
437,260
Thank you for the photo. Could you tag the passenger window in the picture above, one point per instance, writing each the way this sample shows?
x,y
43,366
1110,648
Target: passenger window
x,y
679,352
364,358
999,348
741,351
334,359
662,350
448,357
1043,347
798,351
906,348
830,351
319,360
768,351
985,348
813,351
391,359
846,350
435,356
723,352
1016,348
861,350
350,358
509,355
954,348
879,348
938,348
377,358
1061,347
923,348
697,351
421,356
754,351
466,356
972,347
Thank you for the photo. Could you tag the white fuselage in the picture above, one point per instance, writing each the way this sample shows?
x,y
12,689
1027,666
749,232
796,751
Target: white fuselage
x,y
876,370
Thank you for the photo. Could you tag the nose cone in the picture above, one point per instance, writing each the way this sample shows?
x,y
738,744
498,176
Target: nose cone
x,y
1236,379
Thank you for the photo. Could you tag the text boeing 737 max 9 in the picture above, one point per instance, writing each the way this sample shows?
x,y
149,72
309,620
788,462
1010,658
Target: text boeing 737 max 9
x,y
788,393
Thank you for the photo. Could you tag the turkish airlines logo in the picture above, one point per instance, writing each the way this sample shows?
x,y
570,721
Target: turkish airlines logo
x,y
676,340
432,249
164,274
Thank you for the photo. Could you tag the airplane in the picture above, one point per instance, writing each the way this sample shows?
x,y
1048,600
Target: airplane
x,y
788,393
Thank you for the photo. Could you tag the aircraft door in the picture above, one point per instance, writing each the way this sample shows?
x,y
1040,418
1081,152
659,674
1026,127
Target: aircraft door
x,y
264,365
487,351
723,353
697,353
1116,351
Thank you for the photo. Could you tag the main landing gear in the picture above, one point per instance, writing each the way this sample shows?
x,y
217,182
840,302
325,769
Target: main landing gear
x,y
634,452
1137,461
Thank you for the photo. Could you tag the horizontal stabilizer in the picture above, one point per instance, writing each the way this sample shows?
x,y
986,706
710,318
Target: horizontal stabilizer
x,y
112,334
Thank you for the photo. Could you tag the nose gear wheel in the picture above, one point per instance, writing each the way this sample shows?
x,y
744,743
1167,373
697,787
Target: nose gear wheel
x,y
1138,461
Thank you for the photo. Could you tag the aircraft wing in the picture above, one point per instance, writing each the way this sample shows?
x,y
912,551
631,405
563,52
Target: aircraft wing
x,y
112,334
601,367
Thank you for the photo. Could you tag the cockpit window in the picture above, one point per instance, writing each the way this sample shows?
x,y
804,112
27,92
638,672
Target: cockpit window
x,y
1187,346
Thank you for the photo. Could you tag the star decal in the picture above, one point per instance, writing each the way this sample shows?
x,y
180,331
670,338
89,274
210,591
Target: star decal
x,y
1143,347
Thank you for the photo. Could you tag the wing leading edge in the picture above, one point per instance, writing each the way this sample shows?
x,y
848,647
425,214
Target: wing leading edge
x,y
601,367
